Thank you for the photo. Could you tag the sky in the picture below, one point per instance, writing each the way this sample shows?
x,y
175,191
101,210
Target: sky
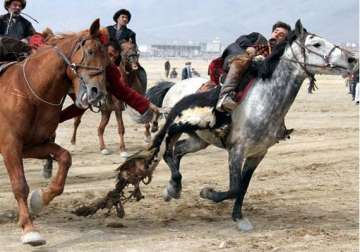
x,y
166,21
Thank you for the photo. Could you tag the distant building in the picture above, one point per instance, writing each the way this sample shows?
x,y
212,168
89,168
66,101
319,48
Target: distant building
x,y
188,51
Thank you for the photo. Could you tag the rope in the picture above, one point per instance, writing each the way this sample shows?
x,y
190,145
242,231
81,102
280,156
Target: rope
x,y
33,91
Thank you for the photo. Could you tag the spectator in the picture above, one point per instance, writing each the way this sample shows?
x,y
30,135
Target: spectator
x,y
167,67
173,73
186,72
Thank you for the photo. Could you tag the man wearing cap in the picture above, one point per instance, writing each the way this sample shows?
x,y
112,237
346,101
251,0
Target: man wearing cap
x,y
119,32
13,24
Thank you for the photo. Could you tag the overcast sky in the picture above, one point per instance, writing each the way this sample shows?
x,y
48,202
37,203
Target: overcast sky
x,y
165,21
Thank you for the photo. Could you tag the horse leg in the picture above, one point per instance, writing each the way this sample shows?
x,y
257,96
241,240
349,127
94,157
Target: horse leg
x,y
121,132
41,198
105,117
12,158
147,133
249,167
77,122
235,164
173,189
155,123
173,158
48,165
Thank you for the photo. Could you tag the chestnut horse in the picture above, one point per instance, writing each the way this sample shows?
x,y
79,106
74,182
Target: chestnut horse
x,y
129,67
31,97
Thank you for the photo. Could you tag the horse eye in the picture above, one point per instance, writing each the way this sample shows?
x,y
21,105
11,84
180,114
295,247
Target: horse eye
x,y
316,45
90,52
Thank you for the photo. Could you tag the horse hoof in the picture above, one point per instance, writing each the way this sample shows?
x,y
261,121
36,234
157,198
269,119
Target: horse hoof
x,y
166,195
33,238
171,193
105,152
205,192
47,172
124,154
244,225
147,139
36,203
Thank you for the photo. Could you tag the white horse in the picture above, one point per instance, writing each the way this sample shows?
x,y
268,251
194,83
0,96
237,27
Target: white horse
x,y
256,123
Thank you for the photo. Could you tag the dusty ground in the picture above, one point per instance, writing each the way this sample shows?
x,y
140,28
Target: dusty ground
x,y
303,196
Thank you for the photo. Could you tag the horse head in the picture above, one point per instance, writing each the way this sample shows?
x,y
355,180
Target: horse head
x,y
129,56
316,55
86,67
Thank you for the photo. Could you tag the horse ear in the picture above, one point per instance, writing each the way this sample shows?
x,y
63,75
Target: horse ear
x,y
299,29
95,28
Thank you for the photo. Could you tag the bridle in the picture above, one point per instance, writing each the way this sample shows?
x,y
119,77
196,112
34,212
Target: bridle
x,y
74,67
129,58
304,65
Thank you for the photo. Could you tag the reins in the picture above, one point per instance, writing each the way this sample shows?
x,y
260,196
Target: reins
x,y
73,66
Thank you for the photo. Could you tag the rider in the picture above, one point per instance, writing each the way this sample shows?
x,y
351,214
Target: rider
x,y
14,31
121,33
13,24
238,56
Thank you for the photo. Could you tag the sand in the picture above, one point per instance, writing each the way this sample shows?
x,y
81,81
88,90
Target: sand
x,y
303,196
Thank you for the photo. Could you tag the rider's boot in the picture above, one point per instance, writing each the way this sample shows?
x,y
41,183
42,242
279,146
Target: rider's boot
x,y
238,65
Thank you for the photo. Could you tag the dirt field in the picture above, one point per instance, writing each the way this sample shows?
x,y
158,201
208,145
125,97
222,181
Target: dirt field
x,y
303,196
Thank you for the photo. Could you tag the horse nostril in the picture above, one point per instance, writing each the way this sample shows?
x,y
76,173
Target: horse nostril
x,y
351,60
94,91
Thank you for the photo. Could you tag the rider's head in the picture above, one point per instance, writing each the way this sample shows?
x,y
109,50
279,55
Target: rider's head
x,y
122,17
279,33
14,6
113,50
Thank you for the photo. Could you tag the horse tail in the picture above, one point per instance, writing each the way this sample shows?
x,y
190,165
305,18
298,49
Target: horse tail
x,y
193,112
157,93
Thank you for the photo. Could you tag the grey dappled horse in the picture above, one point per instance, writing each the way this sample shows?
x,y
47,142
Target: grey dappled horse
x,y
256,122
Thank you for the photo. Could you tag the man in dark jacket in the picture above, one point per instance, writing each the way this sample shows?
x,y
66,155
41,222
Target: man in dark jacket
x,y
14,32
167,68
119,33
13,24
238,56
186,71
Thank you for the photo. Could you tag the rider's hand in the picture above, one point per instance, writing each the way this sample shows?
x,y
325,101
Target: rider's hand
x,y
259,58
251,51
154,108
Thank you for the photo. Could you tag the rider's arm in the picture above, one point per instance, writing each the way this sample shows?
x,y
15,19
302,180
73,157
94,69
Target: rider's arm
x,y
123,92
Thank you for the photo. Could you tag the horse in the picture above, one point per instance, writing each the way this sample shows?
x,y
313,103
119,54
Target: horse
x,y
129,66
32,94
256,123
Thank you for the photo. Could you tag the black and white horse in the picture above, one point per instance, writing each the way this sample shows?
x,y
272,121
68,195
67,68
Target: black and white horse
x,y
256,123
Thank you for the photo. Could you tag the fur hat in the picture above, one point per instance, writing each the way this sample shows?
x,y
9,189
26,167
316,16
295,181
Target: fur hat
x,y
121,12
8,2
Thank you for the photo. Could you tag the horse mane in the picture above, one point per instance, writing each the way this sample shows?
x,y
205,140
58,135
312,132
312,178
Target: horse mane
x,y
267,68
